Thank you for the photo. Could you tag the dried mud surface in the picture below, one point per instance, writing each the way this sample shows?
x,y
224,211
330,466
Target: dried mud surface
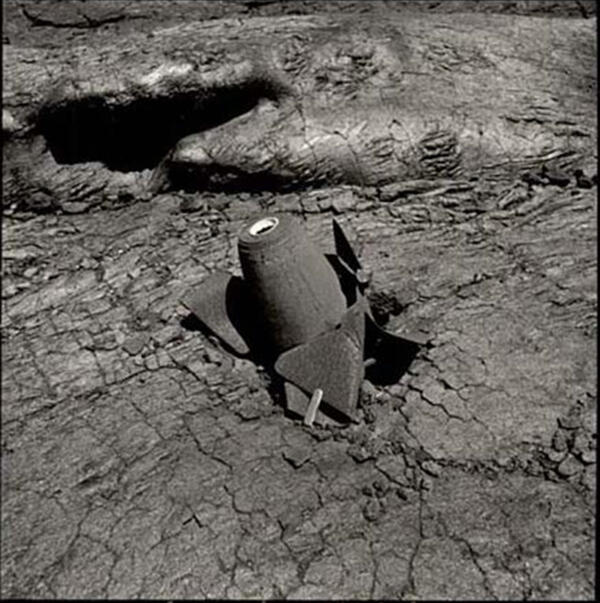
x,y
140,460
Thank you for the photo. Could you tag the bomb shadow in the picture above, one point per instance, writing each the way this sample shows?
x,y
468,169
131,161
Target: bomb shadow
x,y
392,356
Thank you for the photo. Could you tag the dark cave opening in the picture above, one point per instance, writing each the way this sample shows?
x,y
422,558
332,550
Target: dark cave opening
x,y
136,134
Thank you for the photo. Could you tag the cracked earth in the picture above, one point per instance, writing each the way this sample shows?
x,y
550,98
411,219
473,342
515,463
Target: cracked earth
x,y
141,460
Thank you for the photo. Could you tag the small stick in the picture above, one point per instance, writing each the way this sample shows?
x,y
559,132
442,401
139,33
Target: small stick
x,y
311,411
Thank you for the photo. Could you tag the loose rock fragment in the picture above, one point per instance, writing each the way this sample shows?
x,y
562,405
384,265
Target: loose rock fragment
x,y
296,456
588,456
570,466
555,456
359,453
559,441
134,345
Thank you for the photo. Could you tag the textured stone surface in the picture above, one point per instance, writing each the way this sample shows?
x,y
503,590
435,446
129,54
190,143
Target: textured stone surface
x,y
140,460
207,104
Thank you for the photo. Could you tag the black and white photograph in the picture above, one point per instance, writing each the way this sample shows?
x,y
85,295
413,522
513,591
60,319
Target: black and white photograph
x,y
299,300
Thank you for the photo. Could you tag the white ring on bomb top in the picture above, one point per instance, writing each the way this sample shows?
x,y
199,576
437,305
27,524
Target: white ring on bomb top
x,y
263,226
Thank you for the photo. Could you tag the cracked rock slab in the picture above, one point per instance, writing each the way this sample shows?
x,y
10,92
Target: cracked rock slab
x,y
137,462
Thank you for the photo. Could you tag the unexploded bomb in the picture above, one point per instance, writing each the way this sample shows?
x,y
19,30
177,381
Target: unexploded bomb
x,y
306,310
